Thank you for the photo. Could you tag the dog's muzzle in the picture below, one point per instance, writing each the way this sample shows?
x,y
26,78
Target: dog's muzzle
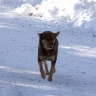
x,y
50,48
51,45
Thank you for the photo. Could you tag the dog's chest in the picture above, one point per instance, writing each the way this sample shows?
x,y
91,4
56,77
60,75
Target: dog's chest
x,y
48,57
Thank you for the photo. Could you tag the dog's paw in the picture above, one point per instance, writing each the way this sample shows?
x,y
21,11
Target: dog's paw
x,y
43,75
49,78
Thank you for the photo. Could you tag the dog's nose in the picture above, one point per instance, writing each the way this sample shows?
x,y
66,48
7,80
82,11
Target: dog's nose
x,y
51,45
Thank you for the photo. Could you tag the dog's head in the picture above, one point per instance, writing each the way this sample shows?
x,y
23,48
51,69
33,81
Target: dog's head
x,y
48,39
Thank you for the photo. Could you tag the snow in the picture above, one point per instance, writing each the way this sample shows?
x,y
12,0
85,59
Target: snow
x,y
76,64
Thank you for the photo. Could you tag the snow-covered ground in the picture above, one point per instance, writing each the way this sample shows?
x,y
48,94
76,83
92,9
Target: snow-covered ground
x,y
76,64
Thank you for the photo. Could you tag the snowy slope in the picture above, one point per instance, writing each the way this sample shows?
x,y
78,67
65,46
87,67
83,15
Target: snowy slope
x,y
76,64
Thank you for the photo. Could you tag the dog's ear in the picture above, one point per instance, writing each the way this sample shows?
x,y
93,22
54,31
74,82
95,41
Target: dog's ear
x,y
57,33
40,35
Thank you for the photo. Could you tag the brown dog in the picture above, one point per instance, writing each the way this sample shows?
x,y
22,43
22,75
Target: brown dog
x,y
47,50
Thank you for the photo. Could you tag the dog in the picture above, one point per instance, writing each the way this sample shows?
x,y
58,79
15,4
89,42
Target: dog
x,y
47,50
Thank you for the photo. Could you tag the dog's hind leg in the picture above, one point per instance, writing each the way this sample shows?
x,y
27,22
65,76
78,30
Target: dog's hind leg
x,y
46,67
52,70
43,75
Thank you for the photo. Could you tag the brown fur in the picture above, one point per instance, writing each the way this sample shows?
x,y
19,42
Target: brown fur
x,y
47,50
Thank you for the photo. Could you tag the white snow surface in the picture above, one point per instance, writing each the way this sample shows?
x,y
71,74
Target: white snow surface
x,y
76,63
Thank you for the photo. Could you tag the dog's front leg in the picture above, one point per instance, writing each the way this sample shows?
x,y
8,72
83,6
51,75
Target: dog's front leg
x,y
46,67
43,75
52,70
